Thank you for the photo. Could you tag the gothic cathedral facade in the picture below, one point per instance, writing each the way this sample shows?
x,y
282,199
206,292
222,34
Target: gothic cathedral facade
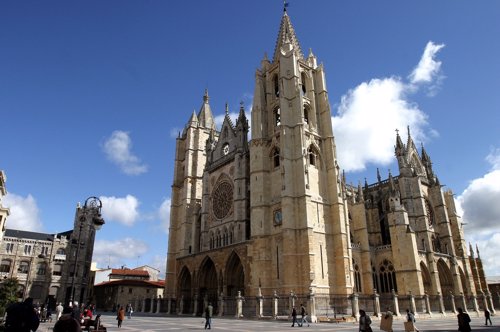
x,y
274,216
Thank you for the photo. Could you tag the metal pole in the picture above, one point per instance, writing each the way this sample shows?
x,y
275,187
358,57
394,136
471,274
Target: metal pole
x,y
76,264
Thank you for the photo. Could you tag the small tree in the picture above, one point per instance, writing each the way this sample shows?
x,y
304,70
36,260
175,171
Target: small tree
x,y
8,293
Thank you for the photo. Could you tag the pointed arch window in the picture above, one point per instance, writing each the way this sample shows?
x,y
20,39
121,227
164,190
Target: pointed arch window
x,y
303,81
276,86
5,266
387,277
306,114
313,156
24,267
277,117
357,278
429,213
276,157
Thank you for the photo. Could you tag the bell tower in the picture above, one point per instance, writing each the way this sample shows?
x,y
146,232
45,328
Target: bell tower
x,y
298,211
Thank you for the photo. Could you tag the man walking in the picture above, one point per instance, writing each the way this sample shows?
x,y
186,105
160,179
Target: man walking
x,y
208,316
487,317
303,313
294,316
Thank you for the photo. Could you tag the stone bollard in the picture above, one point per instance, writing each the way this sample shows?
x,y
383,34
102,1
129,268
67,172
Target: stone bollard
x,y
312,305
181,305
259,309
427,304
239,305
275,304
195,305
221,305
355,306
376,303
441,303
453,307
490,301
413,307
395,303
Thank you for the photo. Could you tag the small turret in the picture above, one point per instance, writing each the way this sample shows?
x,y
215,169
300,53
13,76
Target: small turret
x,y
471,250
205,117
361,197
379,178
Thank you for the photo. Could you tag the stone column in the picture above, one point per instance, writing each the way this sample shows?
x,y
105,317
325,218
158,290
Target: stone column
x,y
158,305
275,304
427,304
291,302
474,304
195,304
395,303
453,307
485,301
441,303
143,308
413,307
312,305
462,300
239,305
152,305
181,305
259,309
355,306
376,303
221,304
136,304
169,305
490,301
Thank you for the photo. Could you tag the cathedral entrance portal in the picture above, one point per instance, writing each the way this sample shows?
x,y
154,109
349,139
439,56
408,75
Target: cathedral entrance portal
x,y
235,276
184,299
446,282
207,285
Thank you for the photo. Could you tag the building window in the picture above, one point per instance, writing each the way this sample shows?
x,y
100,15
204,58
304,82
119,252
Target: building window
x,y
357,279
306,115
57,271
312,156
5,266
27,249
276,157
61,251
41,268
9,248
277,117
23,267
45,250
303,79
147,291
387,277
130,290
276,86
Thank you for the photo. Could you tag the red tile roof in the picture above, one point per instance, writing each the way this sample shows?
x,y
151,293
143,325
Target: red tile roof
x,y
132,282
128,272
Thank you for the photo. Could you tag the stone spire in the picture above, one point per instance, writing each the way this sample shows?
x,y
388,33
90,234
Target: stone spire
x,y
287,35
400,148
205,117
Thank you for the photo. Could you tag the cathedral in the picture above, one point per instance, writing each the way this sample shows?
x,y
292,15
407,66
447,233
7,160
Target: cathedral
x,y
260,225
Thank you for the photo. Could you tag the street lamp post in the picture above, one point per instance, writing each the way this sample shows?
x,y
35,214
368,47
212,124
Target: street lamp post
x,y
91,209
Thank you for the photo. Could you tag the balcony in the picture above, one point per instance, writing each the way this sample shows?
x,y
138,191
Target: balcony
x,y
59,257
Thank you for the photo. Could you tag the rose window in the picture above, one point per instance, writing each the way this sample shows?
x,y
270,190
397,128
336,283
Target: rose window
x,y
222,200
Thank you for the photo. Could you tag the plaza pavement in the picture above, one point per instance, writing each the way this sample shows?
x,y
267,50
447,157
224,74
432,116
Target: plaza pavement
x,y
155,323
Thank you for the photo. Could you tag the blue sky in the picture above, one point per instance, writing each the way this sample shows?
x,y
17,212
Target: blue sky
x,y
93,93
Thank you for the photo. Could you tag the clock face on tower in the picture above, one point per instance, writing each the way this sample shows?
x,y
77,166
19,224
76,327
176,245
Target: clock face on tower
x,y
222,199
225,149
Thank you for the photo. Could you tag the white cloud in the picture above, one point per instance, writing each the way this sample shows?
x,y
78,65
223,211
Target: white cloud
x,y
366,120
120,209
118,149
175,132
159,262
115,253
428,67
24,213
164,214
369,114
481,213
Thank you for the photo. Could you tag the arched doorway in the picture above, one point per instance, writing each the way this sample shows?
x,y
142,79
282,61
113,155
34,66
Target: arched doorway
x,y
207,284
426,278
235,276
446,282
184,291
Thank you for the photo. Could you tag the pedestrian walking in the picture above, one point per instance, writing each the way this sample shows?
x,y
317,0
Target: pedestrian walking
x,y
209,310
386,321
294,316
463,321
59,311
120,316
487,317
303,313
410,321
364,322
130,310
